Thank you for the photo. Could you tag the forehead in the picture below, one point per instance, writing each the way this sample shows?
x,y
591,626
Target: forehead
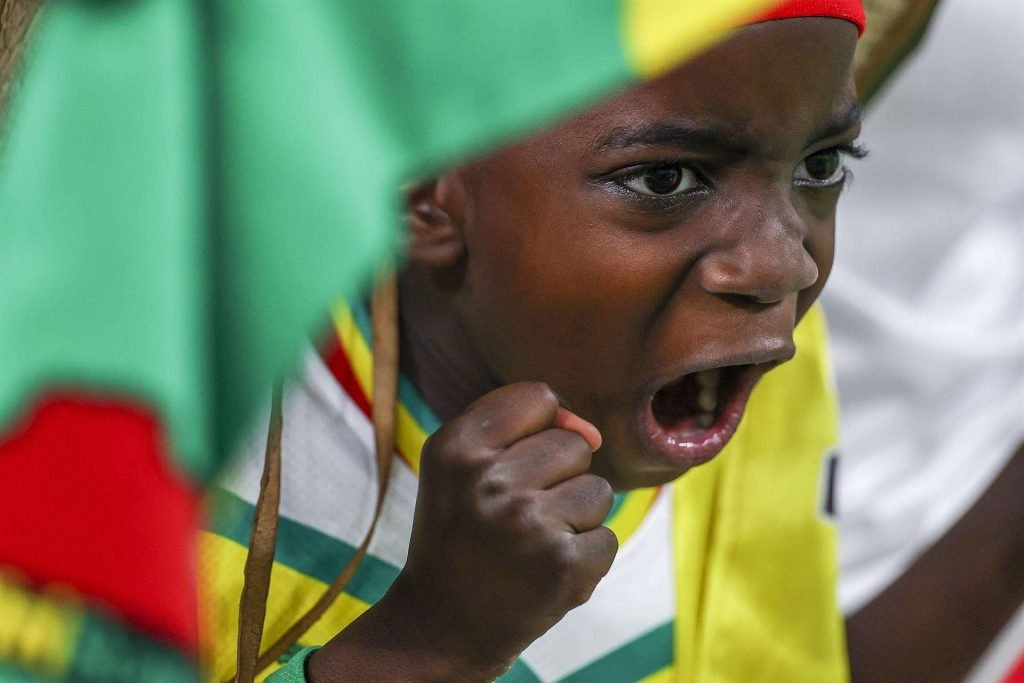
x,y
771,88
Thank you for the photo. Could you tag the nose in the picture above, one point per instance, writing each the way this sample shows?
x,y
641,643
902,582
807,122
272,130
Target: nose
x,y
766,261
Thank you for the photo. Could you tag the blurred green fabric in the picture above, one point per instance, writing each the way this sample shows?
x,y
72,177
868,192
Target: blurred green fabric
x,y
187,184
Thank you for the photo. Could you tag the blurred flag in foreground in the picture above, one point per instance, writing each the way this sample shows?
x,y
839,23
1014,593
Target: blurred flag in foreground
x,y
184,187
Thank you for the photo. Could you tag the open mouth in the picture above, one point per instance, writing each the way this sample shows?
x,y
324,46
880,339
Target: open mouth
x,y
689,419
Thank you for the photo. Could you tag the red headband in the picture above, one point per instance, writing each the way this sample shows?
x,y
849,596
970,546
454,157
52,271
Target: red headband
x,y
851,10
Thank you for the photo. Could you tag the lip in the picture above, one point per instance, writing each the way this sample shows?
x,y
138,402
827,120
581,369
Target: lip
x,y
677,450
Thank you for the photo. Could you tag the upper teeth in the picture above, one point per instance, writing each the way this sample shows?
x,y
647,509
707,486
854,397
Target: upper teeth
x,y
708,379
707,397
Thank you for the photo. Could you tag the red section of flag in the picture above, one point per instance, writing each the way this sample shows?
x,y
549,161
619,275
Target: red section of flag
x,y
89,500
337,361
1016,674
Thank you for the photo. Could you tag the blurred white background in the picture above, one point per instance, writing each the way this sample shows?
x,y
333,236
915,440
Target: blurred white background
x,y
926,302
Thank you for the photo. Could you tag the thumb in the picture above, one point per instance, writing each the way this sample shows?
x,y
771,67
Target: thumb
x,y
574,423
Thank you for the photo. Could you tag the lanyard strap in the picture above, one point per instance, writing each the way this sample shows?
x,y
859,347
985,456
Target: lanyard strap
x,y
260,560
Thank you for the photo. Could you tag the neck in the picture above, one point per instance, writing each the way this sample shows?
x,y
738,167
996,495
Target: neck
x,y
436,352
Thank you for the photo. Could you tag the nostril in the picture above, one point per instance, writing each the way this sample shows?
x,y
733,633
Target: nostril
x,y
759,273
749,302
746,288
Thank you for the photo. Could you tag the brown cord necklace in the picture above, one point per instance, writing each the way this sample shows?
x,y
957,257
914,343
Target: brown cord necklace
x,y
260,560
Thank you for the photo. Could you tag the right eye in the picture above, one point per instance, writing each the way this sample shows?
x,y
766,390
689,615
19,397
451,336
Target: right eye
x,y
662,181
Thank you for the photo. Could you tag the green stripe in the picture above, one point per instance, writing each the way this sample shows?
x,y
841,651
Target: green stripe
x,y
362,319
287,655
107,651
407,394
303,548
520,673
635,660
232,519
617,502
294,671
420,411
14,674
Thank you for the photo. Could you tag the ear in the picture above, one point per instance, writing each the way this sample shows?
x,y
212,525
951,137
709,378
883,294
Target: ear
x,y
435,216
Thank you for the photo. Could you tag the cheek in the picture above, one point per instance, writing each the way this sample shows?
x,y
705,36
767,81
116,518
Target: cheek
x,y
553,292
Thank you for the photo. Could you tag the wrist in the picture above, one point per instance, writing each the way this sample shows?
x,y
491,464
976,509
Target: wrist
x,y
425,627
401,639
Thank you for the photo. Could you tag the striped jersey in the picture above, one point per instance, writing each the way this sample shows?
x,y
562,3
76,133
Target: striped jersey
x,y
745,553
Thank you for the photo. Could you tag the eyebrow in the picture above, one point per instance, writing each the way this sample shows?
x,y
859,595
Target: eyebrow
x,y
838,125
676,134
686,135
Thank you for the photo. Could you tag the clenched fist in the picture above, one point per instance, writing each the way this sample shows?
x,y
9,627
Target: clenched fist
x,y
507,539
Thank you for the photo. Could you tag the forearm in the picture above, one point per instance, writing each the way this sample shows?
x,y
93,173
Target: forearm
x,y
936,620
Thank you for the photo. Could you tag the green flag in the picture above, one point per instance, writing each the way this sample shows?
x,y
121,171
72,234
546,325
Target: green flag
x,y
186,185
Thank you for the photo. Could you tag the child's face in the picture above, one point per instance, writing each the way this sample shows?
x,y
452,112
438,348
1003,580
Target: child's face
x,y
686,225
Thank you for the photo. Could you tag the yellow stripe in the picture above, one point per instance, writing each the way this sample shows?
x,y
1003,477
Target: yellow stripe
x,y
659,34
632,513
359,355
291,594
38,630
409,437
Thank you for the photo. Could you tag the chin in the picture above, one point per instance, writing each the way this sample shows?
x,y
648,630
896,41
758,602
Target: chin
x,y
628,468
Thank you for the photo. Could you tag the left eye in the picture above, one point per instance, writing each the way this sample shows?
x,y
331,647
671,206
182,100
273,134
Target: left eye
x,y
823,168
662,181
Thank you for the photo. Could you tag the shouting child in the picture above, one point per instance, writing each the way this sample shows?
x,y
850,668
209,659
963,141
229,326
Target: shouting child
x,y
587,316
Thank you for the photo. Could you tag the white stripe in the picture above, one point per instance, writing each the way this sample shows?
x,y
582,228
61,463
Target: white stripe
x,y
636,596
328,473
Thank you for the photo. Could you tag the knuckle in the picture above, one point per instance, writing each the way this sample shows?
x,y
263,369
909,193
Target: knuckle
x,y
543,394
604,494
452,460
563,445
609,546
493,482
439,444
547,446
564,557
521,515
477,425
572,442
451,450
591,493
580,593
